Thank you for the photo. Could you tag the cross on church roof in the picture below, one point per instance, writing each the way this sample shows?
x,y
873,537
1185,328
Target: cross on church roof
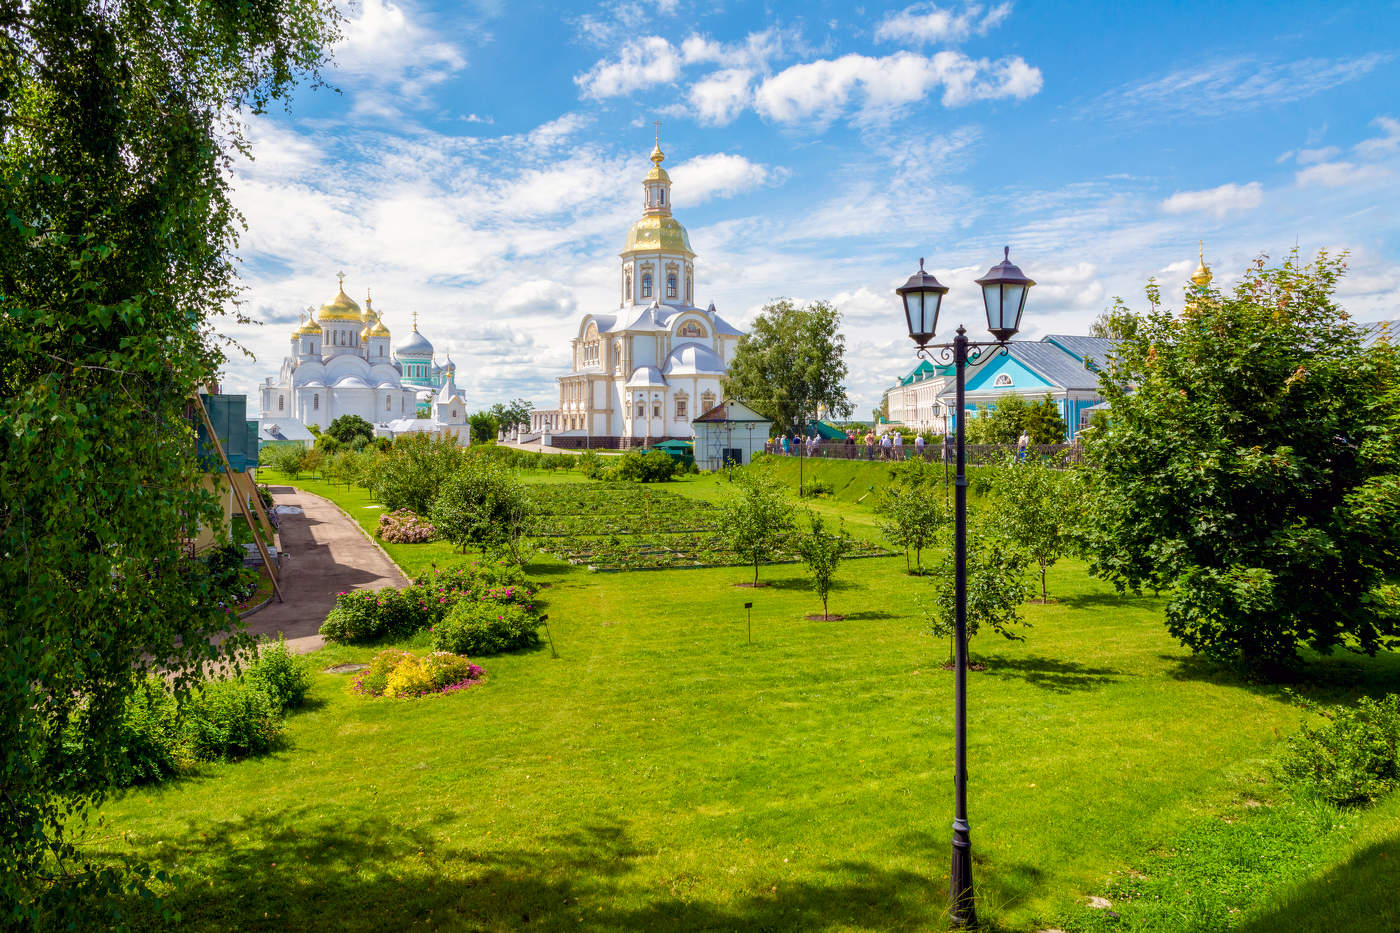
x,y
341,277
658,133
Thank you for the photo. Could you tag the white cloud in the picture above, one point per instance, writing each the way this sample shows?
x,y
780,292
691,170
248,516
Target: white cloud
x,y
1217,201
720,175
719,98
641,63
1221,88
386,47
756,51
1386,144
824,89
926,23
1340,174
1313,156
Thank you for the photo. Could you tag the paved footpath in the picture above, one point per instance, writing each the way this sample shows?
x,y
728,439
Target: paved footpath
x,y
324,553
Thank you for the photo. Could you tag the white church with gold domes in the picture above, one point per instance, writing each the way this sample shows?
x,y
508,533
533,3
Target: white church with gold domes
x,y
642,374
341,363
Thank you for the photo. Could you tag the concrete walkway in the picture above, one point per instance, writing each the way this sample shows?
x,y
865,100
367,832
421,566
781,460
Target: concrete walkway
x,y
323,553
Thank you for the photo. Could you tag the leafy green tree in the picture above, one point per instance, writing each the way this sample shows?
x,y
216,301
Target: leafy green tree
x,y
288,459
909,511
1248,470
1117,323
791,361
1038,507
996,587
484,427
511,414
482,504
1043,423
821,551
653,466
756,523
409,476
117,125
347,428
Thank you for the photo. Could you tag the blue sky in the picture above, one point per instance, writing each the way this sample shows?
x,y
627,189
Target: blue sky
x,y
482,162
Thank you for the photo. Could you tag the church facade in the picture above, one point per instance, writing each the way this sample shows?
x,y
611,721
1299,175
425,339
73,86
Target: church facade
x,y
341,363
642,374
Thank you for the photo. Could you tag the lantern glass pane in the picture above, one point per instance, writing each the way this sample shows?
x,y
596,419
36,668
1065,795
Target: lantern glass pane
x,y
1011,296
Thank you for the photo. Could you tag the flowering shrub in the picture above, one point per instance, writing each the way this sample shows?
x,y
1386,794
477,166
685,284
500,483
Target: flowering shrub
x,y
404,527
485,626
395,673
368,615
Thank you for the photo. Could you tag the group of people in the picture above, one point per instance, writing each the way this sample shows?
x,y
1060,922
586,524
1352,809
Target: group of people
x,y
886,446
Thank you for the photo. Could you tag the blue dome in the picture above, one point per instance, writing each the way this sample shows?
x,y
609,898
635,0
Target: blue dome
x,y
415,345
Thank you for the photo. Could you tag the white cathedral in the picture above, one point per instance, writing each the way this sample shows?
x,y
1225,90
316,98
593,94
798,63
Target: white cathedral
x,y
341,364
640,375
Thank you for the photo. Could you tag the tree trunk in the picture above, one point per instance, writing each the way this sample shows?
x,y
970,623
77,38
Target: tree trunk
x,y
755,571
1043,598
907,568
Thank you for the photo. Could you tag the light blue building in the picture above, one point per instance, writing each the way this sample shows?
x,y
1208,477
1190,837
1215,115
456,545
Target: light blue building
x,y
1064,367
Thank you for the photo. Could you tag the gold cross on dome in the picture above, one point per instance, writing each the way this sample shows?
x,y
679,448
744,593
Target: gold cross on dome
x,y
341,277
658,134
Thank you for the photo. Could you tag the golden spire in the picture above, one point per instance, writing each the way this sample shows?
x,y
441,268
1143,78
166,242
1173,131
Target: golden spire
x,y
1201,277
657,156
415,322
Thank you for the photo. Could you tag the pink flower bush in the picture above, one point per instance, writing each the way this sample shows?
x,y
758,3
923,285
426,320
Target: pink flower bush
x,y
404,527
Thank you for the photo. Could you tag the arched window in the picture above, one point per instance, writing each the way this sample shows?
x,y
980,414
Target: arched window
x,y
680,408
316,402
381,349
671,285
387,402
1002,379
646,285
641,410
656,409
281,402
661,196
707,401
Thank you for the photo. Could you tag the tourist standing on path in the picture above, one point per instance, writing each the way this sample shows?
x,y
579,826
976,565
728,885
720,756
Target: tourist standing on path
x,y
898,446
870,444
948,447
886,448
1021,445
919,445
786,450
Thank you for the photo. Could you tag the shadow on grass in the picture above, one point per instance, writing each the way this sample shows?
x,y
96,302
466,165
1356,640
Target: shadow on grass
x,y
297,869
1361,890
1098,600
1053,674
1339,678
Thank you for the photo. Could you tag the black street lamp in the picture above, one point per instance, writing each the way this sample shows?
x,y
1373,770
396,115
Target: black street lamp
x,y
1004,290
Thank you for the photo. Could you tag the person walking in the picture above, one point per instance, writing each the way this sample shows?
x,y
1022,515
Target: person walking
x,y
786,449
850,445
886,446
898,446
919,445
1022,444
870,444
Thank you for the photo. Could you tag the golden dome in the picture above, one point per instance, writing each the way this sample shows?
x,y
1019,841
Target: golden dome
x,y
369,315
310,327
364,334
341,308
658,231
1201,277
378,330
657,173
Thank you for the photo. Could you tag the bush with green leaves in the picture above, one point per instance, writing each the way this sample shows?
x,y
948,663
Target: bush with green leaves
x,y
590,464
280,674
909,511
409,476
360,616
151,736
403,527
482,504
1352,758
487,626
403,674
347,429
229,719
653,466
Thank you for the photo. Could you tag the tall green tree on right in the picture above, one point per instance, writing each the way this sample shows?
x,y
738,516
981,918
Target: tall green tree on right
x,y
791,361
1251,470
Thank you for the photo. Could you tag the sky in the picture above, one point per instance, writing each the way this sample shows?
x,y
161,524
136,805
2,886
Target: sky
x,y
479,163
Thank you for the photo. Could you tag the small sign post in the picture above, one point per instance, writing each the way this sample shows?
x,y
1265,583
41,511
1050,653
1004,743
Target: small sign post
x,y
748,609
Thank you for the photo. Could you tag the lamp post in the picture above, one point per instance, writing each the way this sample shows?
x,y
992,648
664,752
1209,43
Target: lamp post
x,y
1004,290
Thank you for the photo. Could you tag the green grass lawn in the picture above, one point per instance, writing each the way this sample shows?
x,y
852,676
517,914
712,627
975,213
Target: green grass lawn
x,y
663,774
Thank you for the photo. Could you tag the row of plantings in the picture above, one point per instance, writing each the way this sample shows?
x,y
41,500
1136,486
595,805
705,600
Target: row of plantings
x,y
165,733
481,608
403,674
